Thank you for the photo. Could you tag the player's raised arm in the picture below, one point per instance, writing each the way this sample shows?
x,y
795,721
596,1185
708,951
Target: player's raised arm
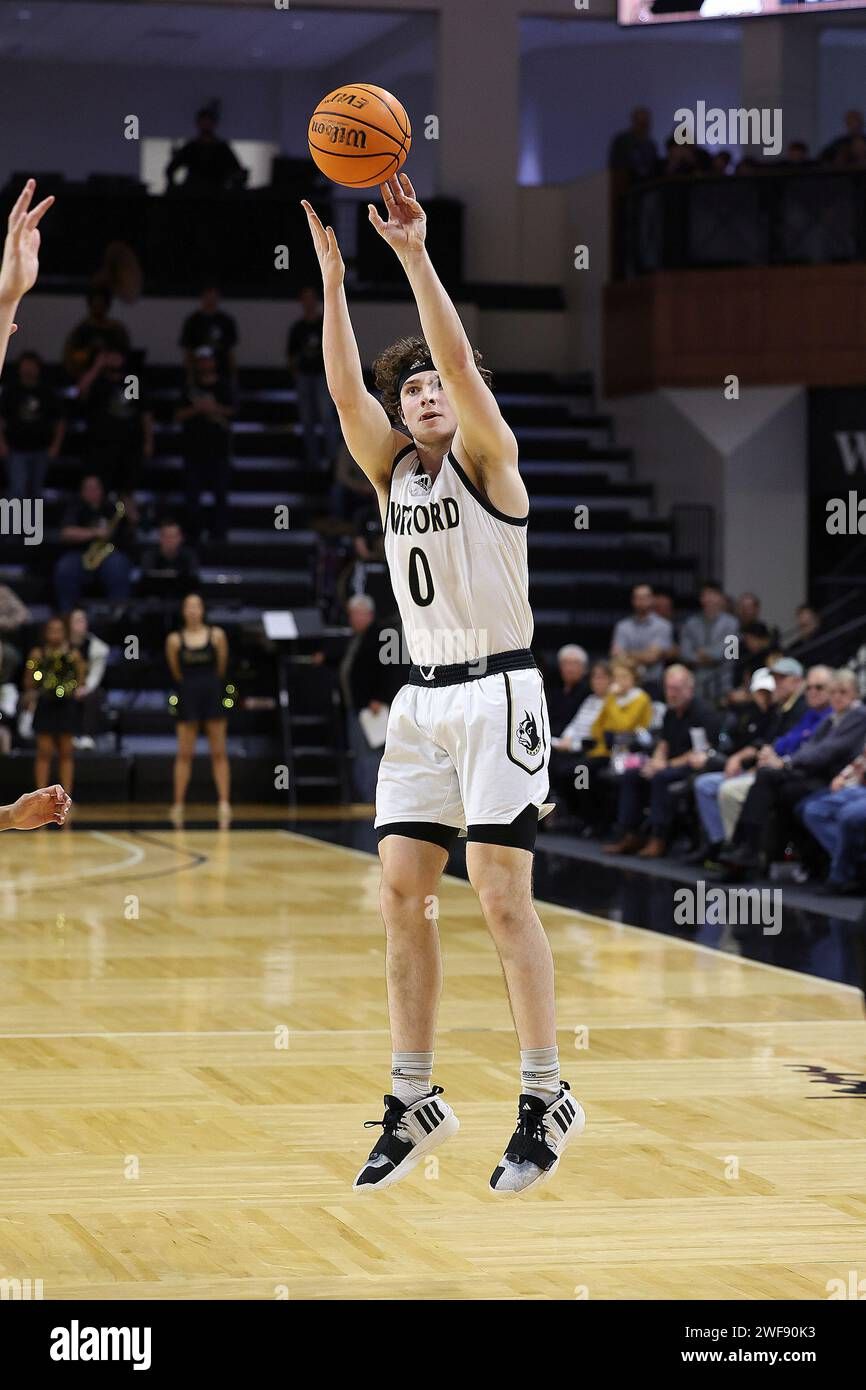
x,y
369,434
486,438
20,264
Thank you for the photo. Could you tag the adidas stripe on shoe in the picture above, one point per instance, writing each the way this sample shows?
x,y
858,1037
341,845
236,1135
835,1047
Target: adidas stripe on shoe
x,y
533,1152
409,1133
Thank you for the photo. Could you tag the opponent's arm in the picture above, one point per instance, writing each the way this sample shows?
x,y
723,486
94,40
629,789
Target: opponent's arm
x,y
42,807
369,434
20,264
487,440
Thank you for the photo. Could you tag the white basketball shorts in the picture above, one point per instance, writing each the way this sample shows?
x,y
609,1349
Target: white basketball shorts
x,y
466,755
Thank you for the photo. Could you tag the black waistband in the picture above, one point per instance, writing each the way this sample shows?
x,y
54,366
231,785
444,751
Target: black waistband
x,y
472,670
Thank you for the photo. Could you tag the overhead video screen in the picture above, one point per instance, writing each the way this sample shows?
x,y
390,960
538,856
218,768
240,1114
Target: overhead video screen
x,y
670,11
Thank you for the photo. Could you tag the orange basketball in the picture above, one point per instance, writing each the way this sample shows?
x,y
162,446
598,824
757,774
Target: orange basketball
x,y
359,135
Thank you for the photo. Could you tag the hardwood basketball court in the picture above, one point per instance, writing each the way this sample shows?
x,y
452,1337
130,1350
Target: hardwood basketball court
x,y
180,1009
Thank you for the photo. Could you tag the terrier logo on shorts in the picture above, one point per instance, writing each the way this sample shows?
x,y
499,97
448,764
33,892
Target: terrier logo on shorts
x,y
527,733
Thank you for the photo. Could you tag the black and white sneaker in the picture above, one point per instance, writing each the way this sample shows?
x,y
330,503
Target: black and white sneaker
x,y
410,1133
536,1146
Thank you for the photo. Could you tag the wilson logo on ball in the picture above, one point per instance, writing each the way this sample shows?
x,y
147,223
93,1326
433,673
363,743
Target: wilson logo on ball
x,y
339,134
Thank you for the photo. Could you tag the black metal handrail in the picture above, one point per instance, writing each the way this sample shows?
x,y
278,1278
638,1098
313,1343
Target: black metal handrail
x,y
788,216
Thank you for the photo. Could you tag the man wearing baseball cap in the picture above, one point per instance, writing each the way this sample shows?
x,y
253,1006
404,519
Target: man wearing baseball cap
x,y
797,712
784,781
748,727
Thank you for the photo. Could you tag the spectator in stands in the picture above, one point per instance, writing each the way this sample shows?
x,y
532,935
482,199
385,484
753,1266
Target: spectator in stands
x,y
756,647
837,819
366,571
94,654
633,151
745,730
689,724
350,489
808,622
10,665
797,152
777,790
566,694
94,335
747,609
205,411
197,656
53,673
705,642
568,758
119,422
625,709
681,160
169,569
645,637
32,428
91,526
579,729
366,684
798,711
210,327
13,615
663,607
307,373
854,128
852,155
211,164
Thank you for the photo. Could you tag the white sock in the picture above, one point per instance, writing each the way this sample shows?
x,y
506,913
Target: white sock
x,y
410,1075
539,1073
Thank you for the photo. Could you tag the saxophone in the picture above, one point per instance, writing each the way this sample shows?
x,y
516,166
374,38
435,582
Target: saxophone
x,y
98,551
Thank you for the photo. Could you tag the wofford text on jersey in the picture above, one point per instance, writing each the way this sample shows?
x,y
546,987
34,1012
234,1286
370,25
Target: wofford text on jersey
x,y
425,516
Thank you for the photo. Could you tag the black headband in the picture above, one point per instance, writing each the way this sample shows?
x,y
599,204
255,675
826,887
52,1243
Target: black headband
x,y
426,364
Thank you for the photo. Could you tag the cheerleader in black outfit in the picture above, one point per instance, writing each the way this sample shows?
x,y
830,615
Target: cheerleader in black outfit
x,y
197,657
53,674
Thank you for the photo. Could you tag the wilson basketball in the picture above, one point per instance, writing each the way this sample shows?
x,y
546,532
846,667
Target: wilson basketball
x,y
359,135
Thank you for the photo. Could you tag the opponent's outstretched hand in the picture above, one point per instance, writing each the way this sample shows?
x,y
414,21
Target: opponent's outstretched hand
x,y
20,264
42,807
406,227
327,250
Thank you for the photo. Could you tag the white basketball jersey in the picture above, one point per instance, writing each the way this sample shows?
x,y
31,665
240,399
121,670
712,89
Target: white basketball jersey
x,y
458,566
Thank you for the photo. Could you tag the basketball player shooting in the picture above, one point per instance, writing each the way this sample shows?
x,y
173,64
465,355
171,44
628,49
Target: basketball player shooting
x,y
467,745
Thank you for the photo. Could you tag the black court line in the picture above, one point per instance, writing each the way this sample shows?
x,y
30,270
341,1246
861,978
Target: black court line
x,y
195,860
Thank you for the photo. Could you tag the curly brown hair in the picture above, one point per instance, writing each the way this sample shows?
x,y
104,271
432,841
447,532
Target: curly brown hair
x,y
390,363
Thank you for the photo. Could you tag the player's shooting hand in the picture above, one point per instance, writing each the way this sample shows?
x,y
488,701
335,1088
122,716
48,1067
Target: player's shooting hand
x,y
20,264
406,227
327,250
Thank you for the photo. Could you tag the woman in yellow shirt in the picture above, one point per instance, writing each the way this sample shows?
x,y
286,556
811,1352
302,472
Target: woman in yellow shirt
x,y
626,708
